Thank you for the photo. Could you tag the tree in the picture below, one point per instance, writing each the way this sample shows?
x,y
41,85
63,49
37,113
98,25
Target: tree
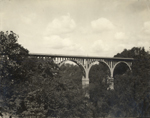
x,y
139,81
11,55
98,90
39,87
71,98
52,93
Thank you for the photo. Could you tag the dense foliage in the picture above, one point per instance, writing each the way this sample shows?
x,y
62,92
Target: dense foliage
x,y
10,66
136,85
31,86
98,90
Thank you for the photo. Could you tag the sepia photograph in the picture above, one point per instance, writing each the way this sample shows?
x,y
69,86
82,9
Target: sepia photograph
x,y
74,58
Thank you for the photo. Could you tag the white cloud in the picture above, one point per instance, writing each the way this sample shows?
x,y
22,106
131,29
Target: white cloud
x,y
57,36
146,27
100,46
143,37
56,42
102,24
29,18
120,35
64,24
145,44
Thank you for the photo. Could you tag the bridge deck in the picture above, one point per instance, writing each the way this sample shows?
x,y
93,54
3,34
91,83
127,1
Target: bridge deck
x,y
82,57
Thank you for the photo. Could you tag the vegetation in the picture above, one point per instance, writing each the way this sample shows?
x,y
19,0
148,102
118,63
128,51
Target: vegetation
x,y
136,84
38,87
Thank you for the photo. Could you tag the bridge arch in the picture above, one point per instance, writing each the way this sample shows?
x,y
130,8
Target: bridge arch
x,y
93,63
128,65
120,70
80,65
108,68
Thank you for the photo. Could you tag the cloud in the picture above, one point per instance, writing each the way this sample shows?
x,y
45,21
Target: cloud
x,y
146,27
101,49
59,37
111,43
143,44
57,42
62,25
143,39
29,18
120,35
100,46
102,24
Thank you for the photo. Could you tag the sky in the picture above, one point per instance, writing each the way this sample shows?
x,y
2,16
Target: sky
x,y
78,27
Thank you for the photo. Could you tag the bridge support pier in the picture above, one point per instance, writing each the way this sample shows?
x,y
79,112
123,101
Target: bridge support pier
x,y
111,83
85,82
85,85
111,78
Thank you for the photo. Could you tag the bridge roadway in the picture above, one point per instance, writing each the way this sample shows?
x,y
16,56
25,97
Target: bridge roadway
x,y
86,62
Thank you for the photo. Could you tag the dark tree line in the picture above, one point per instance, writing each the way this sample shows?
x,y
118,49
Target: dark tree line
x,y
137,83
37,87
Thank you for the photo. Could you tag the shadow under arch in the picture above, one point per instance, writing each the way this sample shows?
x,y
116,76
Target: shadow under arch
x,y
124,63
120,69
102,62
80,65
124,66
104,66
99,72
71,74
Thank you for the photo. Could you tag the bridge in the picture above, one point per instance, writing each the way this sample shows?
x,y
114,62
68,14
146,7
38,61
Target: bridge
x,y
86,62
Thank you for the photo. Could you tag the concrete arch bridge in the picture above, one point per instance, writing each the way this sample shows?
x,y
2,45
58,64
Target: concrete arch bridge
x,y
86,62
